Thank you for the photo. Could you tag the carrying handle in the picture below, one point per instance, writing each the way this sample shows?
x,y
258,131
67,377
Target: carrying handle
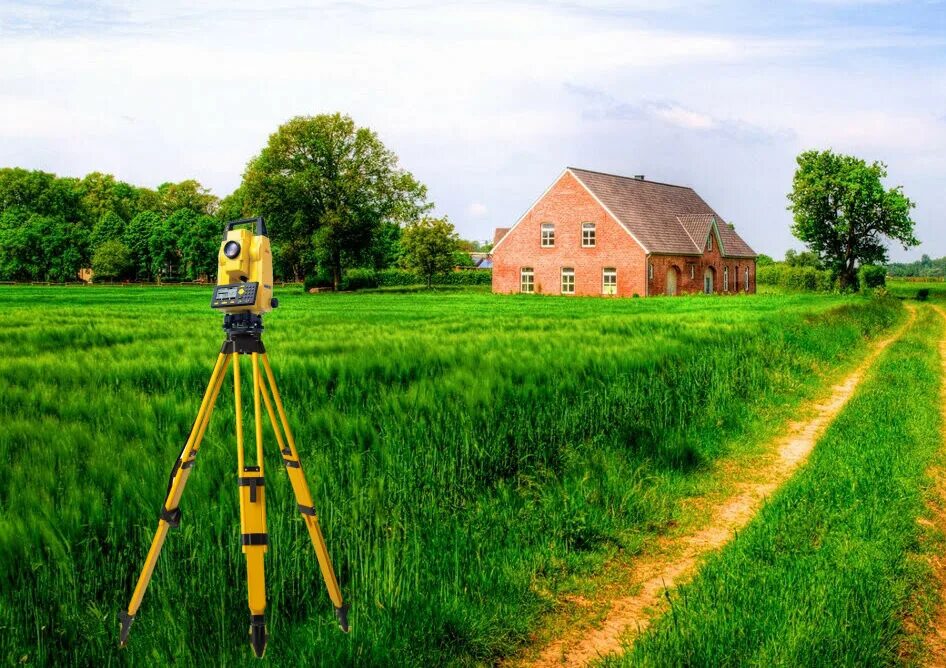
x,y
260,225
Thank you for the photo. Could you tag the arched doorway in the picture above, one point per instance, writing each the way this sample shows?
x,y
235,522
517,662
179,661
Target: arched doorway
x,y
709,280
673,274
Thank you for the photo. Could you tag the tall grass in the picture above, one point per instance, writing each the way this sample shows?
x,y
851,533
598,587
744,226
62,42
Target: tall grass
x,y
824,574
467,454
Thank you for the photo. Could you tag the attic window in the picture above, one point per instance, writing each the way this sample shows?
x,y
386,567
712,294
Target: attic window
x,y
709,242
548,235
587,235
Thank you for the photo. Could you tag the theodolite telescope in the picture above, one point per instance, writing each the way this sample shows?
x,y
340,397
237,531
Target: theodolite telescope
x,y
244,292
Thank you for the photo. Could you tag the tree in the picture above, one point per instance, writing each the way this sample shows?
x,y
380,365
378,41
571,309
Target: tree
x,y
804,259
843,213
38,192
187,194
111,259
109,228
163,250
199,237
763,260
35,247
429,245
325,187
137,239
233,207
100,194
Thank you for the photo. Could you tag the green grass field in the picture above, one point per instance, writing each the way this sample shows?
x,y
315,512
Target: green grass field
x,y
471,456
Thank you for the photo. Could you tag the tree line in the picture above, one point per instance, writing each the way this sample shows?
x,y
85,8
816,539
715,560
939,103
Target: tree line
x,y
924,267
334,197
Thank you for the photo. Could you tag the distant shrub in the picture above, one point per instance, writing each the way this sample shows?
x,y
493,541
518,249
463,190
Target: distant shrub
x,y
796,279
361,279
871,276
390,278
467,277
922,294
322,279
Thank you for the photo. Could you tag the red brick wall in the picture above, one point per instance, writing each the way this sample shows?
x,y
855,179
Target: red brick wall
x,y
568,204
712,258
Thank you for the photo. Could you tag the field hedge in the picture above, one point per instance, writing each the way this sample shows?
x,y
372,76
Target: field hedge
x,y
363,279
804,279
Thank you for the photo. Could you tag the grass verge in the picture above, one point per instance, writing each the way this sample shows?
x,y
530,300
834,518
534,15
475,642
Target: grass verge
x,y
827,572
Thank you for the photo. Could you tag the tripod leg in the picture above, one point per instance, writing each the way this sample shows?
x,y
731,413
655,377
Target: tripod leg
x,y
252,513
303,496
170,513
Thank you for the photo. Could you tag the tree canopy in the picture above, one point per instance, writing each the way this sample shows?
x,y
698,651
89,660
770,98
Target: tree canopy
x,y
844,214
51,227
429,247
326,188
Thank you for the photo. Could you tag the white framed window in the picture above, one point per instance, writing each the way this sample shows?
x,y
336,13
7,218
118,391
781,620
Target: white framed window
x,y
587,235
609,281
526,280
568,281
725,279
650,271
548,235
692,271
747,279
709,242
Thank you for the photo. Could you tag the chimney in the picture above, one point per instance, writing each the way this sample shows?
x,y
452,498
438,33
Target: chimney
x,y
639,177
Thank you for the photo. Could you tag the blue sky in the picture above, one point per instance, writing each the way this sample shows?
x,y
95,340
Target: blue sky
x,y
487,102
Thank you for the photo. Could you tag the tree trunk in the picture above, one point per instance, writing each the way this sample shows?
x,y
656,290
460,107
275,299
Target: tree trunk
x,y
336,272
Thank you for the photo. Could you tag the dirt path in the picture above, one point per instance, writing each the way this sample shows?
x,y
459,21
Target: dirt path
x,y
936,638
677,559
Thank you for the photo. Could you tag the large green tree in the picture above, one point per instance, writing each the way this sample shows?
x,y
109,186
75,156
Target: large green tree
x,y
429,247
326,187
844,214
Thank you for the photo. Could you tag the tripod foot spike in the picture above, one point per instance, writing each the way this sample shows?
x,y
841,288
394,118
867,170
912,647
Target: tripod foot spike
x,y
126,620
342,615
258,635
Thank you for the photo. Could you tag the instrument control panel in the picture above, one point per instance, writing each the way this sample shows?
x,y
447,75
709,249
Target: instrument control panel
x,y
234,294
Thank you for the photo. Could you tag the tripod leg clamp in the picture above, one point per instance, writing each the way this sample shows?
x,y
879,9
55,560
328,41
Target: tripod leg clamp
x,y
253,483
172,517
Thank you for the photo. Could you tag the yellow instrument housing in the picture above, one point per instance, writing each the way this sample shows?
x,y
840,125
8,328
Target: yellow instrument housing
x,y
245,281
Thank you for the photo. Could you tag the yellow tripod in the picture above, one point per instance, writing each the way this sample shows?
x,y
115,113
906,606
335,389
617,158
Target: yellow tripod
x,y
243,338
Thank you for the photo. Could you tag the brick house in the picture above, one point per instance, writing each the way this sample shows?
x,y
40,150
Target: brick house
x,y
599,234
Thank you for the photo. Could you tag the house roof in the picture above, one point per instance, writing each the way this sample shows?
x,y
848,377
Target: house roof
x,y
499,234
663,218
